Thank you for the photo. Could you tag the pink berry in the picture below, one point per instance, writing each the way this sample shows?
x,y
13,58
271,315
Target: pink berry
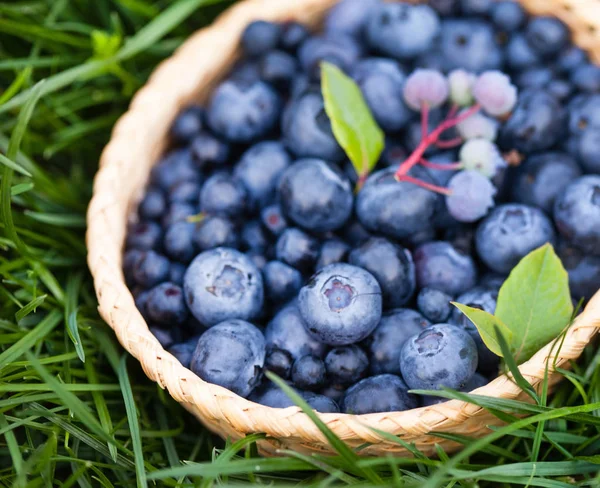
x,y
478,126
461,87
472,196
425,87
495,93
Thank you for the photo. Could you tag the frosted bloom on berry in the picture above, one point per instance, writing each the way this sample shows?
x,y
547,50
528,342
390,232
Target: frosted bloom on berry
x,y
495,93
482,156
472,196
461,87
425,86
478,126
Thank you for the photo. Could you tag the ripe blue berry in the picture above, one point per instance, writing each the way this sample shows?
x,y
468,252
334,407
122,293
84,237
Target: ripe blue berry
x,y
577,214
187,124
260,37
144,236
293,35
183,351
176,273
476,7
519,54
272,396
279,362
509,233
508,15
178,212
166,305
308,373
442,355
341,50
254,237
231,354
584,271
434,304
151,269
175,167
297,248
207,149
426,87
223,195
185,192
472,196
153,205
282,282
315,195
278,68
478,126
349,17
440,265
391,265
332,251
588,149
223,284
346,364
341,304
547,35
242,112
470,45
386,341
383,393
402,31
214,232
273,219
179,242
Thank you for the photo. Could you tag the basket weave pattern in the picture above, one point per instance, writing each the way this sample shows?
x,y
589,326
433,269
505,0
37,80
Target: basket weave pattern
x,y
139,138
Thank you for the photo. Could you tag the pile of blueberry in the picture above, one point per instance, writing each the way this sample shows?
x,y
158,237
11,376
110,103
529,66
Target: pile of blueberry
x,y
252,252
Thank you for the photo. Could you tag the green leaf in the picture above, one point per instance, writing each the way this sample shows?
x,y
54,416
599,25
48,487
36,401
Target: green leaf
x,y
535,302
351,119
486,323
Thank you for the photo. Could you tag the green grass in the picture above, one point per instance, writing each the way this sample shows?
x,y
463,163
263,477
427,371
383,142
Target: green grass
x,y
75,410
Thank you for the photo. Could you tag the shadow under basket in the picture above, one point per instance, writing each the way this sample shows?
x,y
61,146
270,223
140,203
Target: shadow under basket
x,y
138,140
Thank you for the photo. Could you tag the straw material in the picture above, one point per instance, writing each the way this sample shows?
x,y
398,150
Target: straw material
x,y
138,139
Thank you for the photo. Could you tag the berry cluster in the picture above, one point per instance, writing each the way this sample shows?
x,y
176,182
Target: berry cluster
x,y
251,251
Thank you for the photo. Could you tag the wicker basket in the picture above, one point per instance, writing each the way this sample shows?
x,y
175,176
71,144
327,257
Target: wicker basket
x,y
137,142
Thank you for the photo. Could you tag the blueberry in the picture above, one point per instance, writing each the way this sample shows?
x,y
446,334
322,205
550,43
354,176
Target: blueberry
x,y
297,249
253,236
185,192
346,365
519,53
571,58
391,265
141,302
511,232
175,167
260,36
223,284
153,205
166,337
355,233
279,362
584,272
179,242
348,17
383,393
402,31
577,214
536,124
394,329
246,71
273,219
584,114
144,236
332,251
542,177
260,169
395,209
547,35
282,282
214,232
242,112
209,150
315,195
339,49
381,81
308,373
341,304
130,258
442,355
293,35
278,68
231,354
176,273
334,392
223,195
476,7
273,397
187,124
320,403
307,130
151,269
178,212
508,15
434,304
444,7
477,381
440,265
586,78
183,351
560,89
166,305
588,149
470,45
287,332
536,77
481,298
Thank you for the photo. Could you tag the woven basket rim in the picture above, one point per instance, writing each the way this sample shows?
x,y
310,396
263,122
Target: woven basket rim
x,y
117,186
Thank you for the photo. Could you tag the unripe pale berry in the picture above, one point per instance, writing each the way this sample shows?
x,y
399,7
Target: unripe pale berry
x,y
482,156
461,87
472,196
478,126
425,86
495,93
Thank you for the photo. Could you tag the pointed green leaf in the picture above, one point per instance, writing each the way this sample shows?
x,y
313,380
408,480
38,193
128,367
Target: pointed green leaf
x,y
535,302
352,122
486,323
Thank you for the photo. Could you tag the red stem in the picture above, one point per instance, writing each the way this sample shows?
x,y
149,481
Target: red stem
x,y
441,166
424,120
450,143
424,184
